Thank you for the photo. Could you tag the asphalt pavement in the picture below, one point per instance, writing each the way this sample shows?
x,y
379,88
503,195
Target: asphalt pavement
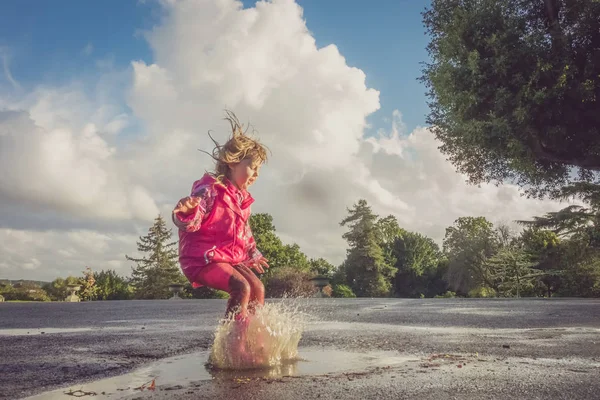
x,y
352,349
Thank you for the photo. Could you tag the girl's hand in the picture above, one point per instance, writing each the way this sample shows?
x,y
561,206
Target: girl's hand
x,y
186,205
259,264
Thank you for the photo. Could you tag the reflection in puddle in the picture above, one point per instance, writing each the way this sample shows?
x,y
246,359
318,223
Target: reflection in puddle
x,y
185,370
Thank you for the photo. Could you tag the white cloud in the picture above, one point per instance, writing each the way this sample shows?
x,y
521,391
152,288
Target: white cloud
x,y
73,171
308,105
5,56
45,255
88,49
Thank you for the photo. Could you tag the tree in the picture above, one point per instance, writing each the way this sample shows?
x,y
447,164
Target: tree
x,y
291,256
416,253
542,248
515,89
578,251
468,244
506,236
159,269
388,231
512,272
417,260
272,248
24,291
88,290
111,286
581,268
574,221
320,266
57,289
366,270
342,290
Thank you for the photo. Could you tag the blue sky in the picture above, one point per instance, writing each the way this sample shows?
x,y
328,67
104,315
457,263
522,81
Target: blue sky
x,y
46,43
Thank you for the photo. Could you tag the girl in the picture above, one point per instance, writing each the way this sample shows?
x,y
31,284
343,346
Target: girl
x,y
216,246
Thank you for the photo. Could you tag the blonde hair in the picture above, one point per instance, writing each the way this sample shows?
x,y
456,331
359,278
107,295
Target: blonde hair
x,y
237,148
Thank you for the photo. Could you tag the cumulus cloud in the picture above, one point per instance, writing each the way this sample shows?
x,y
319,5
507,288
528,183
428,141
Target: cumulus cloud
x,y
66,155
45,255
68,170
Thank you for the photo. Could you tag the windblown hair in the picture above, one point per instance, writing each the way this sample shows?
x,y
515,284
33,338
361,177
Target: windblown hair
x,y
238,147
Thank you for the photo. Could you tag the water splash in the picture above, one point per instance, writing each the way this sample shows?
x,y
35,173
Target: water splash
x,y
268,339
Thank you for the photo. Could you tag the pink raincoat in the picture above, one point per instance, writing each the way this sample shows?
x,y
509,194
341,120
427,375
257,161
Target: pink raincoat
x,y
217,230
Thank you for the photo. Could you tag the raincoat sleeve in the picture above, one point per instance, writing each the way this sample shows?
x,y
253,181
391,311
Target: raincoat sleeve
x,y
251,249
193,221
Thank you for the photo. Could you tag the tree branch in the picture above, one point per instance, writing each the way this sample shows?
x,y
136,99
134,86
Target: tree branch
x,y
591,161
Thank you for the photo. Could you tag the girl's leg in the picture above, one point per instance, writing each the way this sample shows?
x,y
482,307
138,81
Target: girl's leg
x,y
257,300
223,276
257,289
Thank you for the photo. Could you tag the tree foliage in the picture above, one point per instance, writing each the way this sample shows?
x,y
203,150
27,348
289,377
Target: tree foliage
x,y
468,244
366,270
420,266
272,248
159,268
555,255
23,291
57,289
112,286
512,272
514,89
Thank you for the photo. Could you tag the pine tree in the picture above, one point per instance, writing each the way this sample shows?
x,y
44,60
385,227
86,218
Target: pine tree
x,y
366,270
514,272
159,269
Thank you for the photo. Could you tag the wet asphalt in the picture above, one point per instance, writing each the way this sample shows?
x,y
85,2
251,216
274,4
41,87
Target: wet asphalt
x,y
459,348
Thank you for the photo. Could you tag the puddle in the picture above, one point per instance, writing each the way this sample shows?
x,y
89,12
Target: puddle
x,y
186,370
484,311
40,331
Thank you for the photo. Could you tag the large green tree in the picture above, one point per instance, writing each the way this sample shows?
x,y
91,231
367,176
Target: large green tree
x,y
578,253
542,247
515,89
468,244
320,266
417,261
388,231
159,267
272,248
365,268
576,221
513,272
112,286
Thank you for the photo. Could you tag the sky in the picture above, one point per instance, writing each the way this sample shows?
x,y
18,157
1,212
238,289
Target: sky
x,y
103,106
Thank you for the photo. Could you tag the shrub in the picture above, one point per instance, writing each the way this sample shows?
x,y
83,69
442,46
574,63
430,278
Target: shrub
x,y
482,292
289,282
342,291
447,295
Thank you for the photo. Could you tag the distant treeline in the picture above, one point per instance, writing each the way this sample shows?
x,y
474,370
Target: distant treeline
x,y
554,255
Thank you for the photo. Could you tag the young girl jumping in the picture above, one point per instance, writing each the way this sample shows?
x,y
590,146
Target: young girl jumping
x,y
216,246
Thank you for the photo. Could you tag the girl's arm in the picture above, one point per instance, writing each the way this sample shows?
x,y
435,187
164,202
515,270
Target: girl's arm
x,y
191,221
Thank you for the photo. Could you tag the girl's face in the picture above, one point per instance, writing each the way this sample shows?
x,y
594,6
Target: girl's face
x,y
244,173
